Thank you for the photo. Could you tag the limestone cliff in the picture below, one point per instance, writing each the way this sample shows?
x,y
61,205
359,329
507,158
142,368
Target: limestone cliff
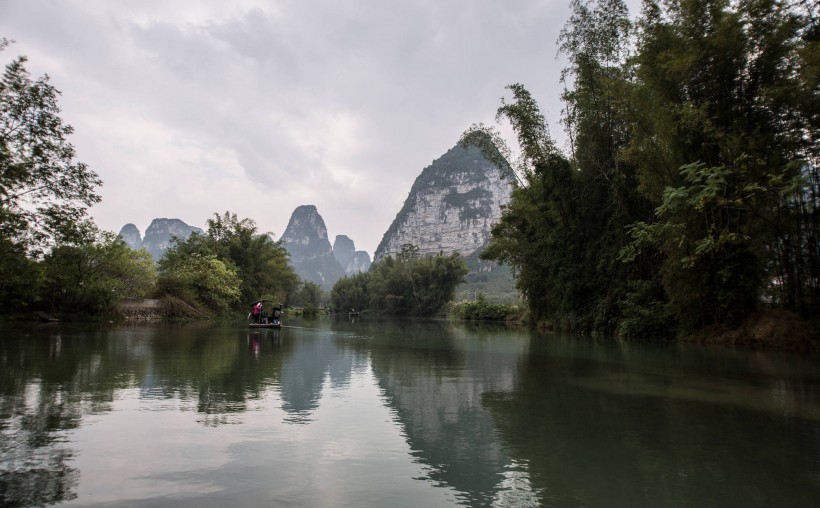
x,y
343,249
353,261
306,234
131,236
360,262
310,252
451,207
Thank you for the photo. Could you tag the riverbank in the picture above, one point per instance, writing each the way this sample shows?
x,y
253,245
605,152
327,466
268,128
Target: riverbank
x,y
767,329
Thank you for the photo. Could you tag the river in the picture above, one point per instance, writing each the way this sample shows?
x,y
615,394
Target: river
x,y
370,412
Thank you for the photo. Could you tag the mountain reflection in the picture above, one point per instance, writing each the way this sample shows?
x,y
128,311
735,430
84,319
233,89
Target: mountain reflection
x,y
303,377
436,381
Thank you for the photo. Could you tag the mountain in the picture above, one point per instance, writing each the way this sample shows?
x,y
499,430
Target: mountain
x,y
360,262
158,236
353,261
343,249
311,254
451,207
131,235
306,235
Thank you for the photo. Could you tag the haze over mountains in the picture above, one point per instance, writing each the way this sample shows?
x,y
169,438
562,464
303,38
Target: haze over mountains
x,y
451,207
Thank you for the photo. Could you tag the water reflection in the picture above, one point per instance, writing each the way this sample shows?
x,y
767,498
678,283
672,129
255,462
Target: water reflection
x,y
408,413
622,425
39,402
434,377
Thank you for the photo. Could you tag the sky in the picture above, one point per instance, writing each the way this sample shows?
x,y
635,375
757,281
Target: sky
x,y
188,108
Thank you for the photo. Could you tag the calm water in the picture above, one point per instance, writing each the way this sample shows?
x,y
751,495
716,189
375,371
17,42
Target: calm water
x,y
335,413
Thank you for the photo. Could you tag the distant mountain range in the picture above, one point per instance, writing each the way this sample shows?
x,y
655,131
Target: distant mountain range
x,y
311,254
451,207
158,236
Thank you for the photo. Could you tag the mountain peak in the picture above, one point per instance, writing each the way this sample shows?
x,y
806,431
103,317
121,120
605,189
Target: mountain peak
x,y
306,234
451,207
159,235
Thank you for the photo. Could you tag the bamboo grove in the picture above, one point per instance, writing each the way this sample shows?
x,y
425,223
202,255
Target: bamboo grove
x,y
688,196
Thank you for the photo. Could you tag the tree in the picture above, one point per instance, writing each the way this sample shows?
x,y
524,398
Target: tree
x,y
725,145
44,193
21,276
202,280
410,285
92,277
691,193
260,265
308,294
351,292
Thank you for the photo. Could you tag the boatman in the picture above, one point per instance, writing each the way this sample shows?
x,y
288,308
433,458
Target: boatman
x,y
257,312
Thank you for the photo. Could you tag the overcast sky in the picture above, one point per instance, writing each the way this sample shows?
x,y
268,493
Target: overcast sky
x,y
186,108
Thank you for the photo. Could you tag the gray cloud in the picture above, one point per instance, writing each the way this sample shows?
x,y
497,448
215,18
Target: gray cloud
x,y
191,108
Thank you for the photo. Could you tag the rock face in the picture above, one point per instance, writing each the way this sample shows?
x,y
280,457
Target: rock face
x,y
451,206
158,236
343,249
131,235
310,251
306,234
312,256
360,262
353,261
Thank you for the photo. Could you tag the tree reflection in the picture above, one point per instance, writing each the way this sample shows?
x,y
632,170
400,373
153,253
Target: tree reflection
x,y
614,424
44,381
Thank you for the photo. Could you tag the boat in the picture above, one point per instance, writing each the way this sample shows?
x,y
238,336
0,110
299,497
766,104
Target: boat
x,y
265,314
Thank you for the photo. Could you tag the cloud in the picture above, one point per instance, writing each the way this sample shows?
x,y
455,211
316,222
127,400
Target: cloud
x,y
194,107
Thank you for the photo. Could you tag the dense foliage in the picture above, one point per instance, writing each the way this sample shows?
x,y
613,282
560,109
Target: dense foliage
x,y
307,294
690,193
482,310
406,285
91,278
228,267
44,192
351,292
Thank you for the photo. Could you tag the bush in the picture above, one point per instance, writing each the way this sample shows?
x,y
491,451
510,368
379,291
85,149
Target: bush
x,y
481,310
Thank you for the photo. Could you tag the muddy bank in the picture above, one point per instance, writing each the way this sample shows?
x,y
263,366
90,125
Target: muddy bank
x,y
768,329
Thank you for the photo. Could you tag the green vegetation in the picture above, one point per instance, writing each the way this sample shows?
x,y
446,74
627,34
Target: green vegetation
x,y
228,267
481,310
51,255
691,194
308,295
351,292
408,285
90,279
44,193
495,281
